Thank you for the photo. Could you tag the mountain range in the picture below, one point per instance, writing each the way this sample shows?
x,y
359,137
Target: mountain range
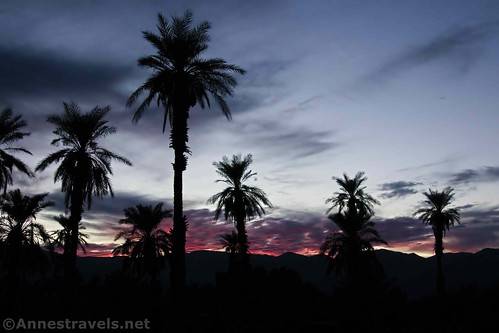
x,y
413,274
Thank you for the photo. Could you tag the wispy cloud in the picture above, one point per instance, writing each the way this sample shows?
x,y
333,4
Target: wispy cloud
x,y
280,140
398,189
459,46
485,174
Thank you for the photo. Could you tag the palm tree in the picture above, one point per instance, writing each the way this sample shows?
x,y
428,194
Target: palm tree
x,y
181,78
84,166
230,244
438,213
11,132
350,249
145,241
62,236
21,234
352,195
239,202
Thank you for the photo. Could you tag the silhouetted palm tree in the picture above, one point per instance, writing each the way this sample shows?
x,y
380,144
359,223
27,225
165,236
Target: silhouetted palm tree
x,y
62,236
11,132
145,241
230,244
351,249
21,234
441,217
181,78
352,195
239,202
84,166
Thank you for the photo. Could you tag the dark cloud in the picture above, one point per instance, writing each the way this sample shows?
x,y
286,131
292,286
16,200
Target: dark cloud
x,y
480,215
459,46
38,74
398,189
486,174
111,206
404,229
279,140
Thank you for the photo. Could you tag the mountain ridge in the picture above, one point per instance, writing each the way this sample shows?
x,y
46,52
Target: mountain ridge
x,y
410,272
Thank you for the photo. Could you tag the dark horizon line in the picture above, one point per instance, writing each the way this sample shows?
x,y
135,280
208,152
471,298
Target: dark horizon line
x,y
308,255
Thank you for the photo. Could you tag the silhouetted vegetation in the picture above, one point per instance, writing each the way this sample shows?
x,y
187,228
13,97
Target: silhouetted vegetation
x,y
145,242
60,237
230,243
438,213
350,249
21,235
239,202
84,166
10,132
181,79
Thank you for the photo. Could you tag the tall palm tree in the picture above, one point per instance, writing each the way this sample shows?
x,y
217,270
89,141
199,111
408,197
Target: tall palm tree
x,y
352,195
181,78
84,166
21,234
145,242
62,236
239,202
230,244
350,249
439,214
10,132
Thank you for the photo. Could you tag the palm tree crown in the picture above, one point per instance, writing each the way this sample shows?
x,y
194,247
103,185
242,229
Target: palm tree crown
x,y
145,238
11,132
62,236
181,77
238,200
18,224
352,195
437,212
82,160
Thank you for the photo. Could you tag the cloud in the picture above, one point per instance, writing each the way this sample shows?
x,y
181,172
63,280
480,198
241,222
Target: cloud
x,y
485,174
429,165
303,232
279,140
109,205
459,46
36,73
398,189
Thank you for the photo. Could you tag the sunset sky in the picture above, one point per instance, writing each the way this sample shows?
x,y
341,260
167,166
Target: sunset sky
x,y
406,91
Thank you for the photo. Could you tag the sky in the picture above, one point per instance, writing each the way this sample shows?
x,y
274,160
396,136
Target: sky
x,y
406,91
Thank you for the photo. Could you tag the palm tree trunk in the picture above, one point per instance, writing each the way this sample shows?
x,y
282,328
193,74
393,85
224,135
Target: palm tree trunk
x,y
178,139
71,247
242,239
439,251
